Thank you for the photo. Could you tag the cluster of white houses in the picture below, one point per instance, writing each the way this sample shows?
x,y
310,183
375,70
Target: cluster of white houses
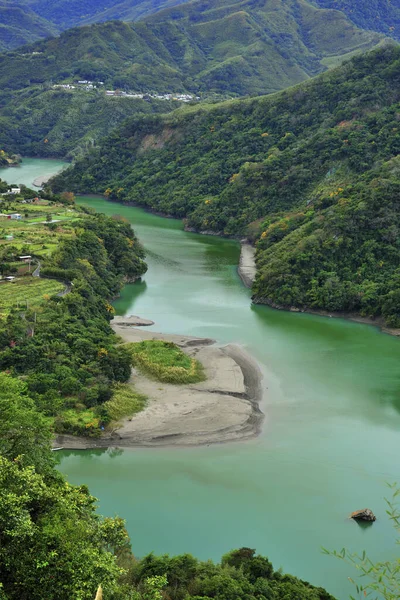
x,y
12,190
83,83
90,85
177,97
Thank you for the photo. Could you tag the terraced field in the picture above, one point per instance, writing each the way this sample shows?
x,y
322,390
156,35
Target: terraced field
x,y
26,292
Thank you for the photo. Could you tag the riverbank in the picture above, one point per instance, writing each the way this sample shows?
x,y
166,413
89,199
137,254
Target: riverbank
x,y
355,317
223,408
40,181
247,263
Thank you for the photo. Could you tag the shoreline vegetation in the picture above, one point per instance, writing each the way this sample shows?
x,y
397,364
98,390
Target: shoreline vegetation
x,y
247,270
222,408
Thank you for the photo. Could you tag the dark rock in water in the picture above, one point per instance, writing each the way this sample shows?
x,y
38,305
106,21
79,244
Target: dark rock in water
x,y
364,514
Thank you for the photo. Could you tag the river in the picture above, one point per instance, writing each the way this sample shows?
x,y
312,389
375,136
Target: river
x,y
330,440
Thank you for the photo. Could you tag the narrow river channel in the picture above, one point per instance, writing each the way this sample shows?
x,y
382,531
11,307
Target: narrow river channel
x,y
331,438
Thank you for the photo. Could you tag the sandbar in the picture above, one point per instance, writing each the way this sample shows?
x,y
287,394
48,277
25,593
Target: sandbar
x,y
223,408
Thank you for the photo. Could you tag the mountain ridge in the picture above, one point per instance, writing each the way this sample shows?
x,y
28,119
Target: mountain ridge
x,y
233,48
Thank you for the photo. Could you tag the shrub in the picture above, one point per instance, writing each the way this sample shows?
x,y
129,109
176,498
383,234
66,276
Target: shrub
x,y
166,362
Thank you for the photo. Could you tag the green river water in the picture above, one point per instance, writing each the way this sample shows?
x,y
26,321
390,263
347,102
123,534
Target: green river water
x,y
330,441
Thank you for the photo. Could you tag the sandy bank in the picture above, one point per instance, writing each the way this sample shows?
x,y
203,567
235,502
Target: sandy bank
x,y
223,408
41,180
247,264
132,321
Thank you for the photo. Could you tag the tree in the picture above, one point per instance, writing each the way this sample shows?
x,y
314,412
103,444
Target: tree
x,y
52,544
24,432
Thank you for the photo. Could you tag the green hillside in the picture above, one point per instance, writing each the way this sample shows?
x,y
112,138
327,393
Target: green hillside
x,y
229,49
62,123
69,13
376,15
236,47
20,25
42,18
313,170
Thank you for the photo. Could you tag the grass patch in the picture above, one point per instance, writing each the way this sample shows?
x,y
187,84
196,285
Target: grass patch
x,y
166,362
77,421
125,402
27,292
91,422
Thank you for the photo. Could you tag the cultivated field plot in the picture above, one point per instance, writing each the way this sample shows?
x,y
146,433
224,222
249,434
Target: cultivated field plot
x,y
26,292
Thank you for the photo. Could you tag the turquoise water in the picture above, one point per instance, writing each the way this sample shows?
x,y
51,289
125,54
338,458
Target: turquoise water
x,y
330,441
30,169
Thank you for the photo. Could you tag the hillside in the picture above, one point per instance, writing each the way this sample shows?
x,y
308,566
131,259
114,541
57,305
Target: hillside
x,y
234,47
9,160
313,170
238,48
34,19
63,123
20,25
376,15
69,13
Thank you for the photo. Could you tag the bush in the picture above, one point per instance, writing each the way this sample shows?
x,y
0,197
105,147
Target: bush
x,y
166,362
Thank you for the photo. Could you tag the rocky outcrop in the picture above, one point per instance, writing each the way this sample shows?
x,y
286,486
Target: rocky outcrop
x,y
365,514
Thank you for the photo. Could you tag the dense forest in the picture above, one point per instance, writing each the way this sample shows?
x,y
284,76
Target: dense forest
x,y
312,172
24,21
376,15
237,48
42,121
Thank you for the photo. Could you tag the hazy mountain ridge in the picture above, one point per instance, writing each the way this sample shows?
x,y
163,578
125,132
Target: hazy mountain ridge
x,y
20,25
376,15
43,18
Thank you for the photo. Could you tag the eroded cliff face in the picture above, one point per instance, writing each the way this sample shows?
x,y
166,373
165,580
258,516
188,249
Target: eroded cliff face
x,y
154,141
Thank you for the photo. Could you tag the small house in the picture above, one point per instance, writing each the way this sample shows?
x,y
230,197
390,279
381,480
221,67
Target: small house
x,y
14,190
15,216
26,259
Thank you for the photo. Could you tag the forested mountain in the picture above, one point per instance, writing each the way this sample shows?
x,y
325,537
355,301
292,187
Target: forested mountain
x,y
23,21
313,170
61,123
20,25
237,46
229,48
376,15
69,13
